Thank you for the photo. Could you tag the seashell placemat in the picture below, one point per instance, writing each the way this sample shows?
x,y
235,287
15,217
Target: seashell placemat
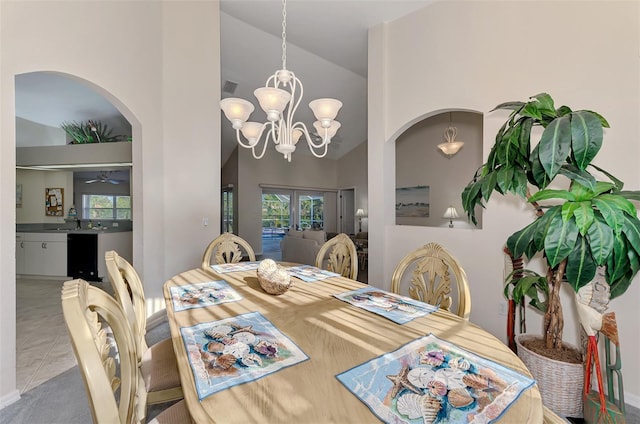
x,y
310,273
235,267
237,350
430,380
397,308
201,295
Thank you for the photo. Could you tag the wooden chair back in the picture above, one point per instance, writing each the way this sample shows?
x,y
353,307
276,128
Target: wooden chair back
x,y
226,249
158,363
430,279
129,291
343,257
111,384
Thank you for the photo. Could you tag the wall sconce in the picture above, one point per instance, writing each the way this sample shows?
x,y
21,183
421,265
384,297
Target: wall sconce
x,y
360,213
450,214
451,146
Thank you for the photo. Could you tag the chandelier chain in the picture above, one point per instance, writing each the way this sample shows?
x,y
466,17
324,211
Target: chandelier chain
x,y
284,34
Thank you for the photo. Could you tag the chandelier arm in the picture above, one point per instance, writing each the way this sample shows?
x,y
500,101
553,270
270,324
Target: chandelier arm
x,y
295,100
318,155
276,132
264,146
325,141
249,145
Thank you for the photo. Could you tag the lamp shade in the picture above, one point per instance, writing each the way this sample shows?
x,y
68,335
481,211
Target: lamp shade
x,y
450,147
450,213
252,131
236,110
272,101
331,131
325,110
360,212
295,135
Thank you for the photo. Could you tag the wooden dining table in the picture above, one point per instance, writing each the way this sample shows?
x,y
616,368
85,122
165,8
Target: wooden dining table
x,y
336,336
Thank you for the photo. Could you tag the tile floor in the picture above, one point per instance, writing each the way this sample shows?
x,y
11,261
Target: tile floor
x,y
43,347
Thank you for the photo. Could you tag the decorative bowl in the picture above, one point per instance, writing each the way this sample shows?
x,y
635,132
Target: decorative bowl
x,y
273,278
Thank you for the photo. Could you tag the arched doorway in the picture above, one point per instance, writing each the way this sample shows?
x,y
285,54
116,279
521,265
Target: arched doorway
x,y
43,102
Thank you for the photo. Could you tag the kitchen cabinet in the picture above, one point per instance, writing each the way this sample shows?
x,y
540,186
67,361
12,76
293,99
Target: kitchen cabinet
x,y
20,255
41,254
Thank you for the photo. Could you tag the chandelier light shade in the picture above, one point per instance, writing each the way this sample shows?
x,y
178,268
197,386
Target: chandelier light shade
x,y
451,213
450,147
279,99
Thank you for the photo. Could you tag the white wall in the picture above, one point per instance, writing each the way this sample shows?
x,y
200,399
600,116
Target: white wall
x,y
585,54
34,184
29,133
352,173
159,65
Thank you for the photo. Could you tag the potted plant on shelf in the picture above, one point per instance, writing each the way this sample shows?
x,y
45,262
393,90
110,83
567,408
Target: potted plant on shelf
x,y
86,132
588,224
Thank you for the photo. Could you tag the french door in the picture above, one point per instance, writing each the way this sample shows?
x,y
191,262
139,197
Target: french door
x,y
292,208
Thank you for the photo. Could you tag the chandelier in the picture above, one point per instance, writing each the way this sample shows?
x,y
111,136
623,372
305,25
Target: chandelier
x,y
451,146
279,98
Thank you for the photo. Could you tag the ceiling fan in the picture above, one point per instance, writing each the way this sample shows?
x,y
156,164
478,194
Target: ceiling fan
x,y
102,177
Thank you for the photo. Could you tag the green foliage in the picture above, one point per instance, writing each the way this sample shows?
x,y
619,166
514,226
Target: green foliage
x,y
591,223
86,132
530,284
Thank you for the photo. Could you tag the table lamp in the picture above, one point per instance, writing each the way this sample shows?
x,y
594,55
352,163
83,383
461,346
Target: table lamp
x,y
360,214
450,214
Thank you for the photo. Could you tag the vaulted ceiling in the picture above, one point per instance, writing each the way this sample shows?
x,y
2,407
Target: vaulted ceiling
x,y
326,49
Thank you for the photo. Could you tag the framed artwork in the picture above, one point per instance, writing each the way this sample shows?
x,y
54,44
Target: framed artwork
x,y
412,202
53,201
18,195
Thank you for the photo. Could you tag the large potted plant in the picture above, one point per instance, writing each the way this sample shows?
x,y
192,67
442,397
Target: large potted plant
x,y
581,223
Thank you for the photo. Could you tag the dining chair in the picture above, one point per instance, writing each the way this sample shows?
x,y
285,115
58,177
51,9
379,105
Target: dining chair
x,y
431,267
343,257
105,349
157,362
226,249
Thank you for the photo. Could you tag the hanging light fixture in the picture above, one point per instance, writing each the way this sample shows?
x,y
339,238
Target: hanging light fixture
x,y
451,146
279,93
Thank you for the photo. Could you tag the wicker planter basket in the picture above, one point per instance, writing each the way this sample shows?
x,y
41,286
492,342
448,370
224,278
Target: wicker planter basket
x,y
560,383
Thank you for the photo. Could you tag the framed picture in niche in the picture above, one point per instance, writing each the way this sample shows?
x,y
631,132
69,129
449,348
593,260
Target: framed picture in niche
x,y
54,201
412,202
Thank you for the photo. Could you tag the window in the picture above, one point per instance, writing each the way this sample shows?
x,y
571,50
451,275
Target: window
x,y
311,211
106,206
227,210
275,211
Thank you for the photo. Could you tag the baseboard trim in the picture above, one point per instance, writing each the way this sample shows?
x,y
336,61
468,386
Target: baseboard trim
x,y
632,400
9,398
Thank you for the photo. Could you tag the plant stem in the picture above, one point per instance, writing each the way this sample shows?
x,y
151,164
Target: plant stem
x,y
553,321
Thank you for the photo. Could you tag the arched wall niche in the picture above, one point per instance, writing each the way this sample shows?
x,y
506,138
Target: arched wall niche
x,y
429,181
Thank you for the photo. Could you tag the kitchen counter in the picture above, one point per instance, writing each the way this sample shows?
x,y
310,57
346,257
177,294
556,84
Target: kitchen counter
x,y
102,230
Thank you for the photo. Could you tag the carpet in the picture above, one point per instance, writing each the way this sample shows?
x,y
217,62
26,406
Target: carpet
x,y
63,400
